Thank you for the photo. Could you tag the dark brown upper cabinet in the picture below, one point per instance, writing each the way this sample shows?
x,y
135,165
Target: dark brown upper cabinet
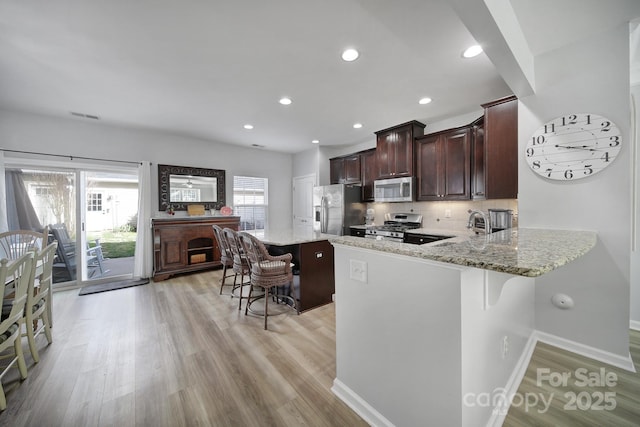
x,y
444,165
368,173
394,149
477,160
345,170
495,162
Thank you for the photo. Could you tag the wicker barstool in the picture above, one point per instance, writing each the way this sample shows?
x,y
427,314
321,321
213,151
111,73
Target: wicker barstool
x,y
226,257
267,272
240,262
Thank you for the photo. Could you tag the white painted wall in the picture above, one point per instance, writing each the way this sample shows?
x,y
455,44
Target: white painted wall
x,y
575,79
324,154
433,357
402,359
28,132
635,250
306,162
502,309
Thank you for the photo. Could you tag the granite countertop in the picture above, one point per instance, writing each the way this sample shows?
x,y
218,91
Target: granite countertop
x,y
288,237
524,251
167,217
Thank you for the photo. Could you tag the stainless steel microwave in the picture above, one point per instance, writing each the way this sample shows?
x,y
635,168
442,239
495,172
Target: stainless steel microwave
x,y
393,189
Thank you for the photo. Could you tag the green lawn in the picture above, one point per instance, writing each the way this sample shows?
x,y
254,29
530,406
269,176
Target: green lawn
x,y
115,244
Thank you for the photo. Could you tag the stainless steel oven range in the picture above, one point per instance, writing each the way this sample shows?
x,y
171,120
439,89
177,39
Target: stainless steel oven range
x,y
394,227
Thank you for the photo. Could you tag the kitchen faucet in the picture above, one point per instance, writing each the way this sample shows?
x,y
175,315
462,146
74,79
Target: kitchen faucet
x,y
472,215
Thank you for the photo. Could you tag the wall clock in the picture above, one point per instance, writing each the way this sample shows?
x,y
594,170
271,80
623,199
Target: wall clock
x,y
573,146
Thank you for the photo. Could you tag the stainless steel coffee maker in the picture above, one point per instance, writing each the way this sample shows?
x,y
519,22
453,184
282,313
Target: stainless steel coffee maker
x,y
500,219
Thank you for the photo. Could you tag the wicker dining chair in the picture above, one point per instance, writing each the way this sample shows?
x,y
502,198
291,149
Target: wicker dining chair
x,y
226,257
14,273
38,306
240,262
14,244
267,272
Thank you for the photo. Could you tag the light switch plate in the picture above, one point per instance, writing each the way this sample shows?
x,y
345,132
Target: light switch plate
x,y
358,270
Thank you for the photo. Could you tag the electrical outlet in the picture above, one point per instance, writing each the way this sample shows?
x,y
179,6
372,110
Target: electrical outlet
x,y
358,270
447,213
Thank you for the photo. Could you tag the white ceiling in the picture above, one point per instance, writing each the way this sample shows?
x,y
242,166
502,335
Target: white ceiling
x,y
205,68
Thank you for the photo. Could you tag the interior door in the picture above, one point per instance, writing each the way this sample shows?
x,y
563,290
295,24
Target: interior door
x,y
303,203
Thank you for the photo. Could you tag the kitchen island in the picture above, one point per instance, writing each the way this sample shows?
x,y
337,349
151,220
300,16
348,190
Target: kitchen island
x,y
313,259
439,334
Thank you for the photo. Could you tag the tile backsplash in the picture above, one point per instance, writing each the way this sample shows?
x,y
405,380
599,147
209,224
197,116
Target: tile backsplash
x,y
451,215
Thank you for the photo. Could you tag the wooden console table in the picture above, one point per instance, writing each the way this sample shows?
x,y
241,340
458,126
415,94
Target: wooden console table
x,y
185,245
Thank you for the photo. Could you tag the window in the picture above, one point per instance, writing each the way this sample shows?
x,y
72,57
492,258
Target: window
x,y
185,195
43,191
94,202
250,201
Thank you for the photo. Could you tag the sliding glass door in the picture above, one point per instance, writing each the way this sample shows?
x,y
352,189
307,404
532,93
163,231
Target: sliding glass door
x,y
91,213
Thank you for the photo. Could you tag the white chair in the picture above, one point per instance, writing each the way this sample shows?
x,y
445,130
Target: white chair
x,y
14,244
15,274
38,305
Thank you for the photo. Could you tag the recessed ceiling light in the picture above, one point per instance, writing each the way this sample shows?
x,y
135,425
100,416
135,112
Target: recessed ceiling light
x,y
248,126
424,100
285,101
315,141
350,55
472,51
357,125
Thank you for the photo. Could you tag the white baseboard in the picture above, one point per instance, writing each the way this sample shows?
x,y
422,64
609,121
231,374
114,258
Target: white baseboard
x,y
625,363
359,405
374,418
635,325
497,419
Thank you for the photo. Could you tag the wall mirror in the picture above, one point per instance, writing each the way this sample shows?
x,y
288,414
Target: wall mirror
x,y
180,186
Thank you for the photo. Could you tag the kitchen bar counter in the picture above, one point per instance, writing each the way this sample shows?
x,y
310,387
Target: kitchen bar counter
x,y
423,332
289,237
523,252
314,263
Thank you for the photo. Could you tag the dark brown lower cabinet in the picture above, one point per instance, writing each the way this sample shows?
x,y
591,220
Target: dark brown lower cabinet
x,y
314,277
186,245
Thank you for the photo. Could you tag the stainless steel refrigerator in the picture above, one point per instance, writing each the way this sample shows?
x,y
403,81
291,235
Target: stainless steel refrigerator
x,y
337,207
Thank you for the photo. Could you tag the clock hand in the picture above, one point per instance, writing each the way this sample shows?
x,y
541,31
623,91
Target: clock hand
x,y
579,147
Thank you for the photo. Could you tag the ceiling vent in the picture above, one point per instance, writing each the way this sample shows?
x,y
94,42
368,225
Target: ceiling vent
x,y
84,116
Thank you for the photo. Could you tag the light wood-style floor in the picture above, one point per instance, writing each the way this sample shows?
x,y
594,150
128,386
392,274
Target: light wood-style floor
x,y
590,394
176,353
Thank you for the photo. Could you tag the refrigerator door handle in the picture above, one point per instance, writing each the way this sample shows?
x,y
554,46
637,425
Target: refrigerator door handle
x,y
324,215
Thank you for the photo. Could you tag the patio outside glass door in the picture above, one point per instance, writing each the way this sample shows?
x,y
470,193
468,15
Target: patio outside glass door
x,y
110,221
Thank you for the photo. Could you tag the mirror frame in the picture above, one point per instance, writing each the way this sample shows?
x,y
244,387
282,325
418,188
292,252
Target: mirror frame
x,y
165,171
